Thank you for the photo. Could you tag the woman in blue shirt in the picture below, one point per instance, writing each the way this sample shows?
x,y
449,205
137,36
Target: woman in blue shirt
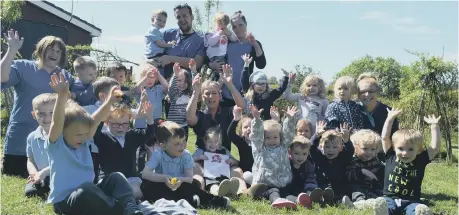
x,y
28,78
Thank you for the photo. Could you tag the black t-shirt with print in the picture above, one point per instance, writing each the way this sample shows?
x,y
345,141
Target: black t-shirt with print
x,y
404,180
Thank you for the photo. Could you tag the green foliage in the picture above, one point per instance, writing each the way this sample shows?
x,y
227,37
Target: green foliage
x,y
11,11
388,71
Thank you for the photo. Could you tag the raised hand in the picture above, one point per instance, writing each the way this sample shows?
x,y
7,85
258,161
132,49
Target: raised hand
x,y
320,127
192,65
13,40
247,59
227,74
237,112
431,119
291,111
285,72
112,96
345,131
392,114
255,112
176,69
291,77
60,85
197,83
250,37
274,112
146,109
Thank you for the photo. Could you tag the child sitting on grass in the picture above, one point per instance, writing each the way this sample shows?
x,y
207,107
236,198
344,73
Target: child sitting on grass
x,y
118,144
272,165
365,172
72,170
331,151
213,144
406,161
37,159
169,172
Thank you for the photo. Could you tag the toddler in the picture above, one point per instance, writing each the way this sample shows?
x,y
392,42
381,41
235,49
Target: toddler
x,y
86,71
154,39
119,72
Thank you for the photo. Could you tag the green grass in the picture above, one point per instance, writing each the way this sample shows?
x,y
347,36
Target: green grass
x,y
439,188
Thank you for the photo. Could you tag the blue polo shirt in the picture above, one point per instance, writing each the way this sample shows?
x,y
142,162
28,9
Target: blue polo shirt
x,y
36,148
155,95
151,49
69,168
187,46
28,82
164,164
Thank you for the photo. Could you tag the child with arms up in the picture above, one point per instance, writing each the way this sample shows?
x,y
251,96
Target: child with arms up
x,y
72,170
406,161
312,98
118,144
271,163
258,92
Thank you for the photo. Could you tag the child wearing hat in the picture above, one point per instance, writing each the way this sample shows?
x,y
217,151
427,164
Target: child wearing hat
x,y
259,93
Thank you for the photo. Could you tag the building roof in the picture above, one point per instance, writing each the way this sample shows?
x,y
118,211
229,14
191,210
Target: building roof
x,y
63,14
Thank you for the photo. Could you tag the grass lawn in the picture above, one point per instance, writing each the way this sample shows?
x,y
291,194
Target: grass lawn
x,y
439,187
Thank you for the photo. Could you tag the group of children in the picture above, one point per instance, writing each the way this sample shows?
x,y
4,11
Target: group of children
x,y
85,152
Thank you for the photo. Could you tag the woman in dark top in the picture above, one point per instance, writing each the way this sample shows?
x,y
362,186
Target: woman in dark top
x,y
247,44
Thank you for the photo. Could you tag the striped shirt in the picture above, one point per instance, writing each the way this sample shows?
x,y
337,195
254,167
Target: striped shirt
x,y
179,101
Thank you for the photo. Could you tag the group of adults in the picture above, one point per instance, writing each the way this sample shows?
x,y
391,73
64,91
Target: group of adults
x,y
30,78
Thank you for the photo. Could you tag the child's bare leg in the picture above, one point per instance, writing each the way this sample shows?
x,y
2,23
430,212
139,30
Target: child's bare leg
x,y
238,173
198,173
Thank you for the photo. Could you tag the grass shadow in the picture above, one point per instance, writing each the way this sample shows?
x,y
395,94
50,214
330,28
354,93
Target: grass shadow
x,y
430,199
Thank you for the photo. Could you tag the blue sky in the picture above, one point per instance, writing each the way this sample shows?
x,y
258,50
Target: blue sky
x,y
324,35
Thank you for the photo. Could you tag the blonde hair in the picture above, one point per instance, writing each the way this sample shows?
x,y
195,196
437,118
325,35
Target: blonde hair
x,y
158,12
411,136
74,113
145,68
167,130
347,81
239,125
83,62
368,77
120,110
270,125
222,18
46,43
302,142
311,78
44,98
303,122
331,136
207,84
366,137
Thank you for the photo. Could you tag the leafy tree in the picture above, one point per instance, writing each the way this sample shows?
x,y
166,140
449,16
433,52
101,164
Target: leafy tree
x,y
272,81
429,86
11,11
388,70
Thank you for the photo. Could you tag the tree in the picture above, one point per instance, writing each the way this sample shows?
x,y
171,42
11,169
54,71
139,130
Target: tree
x,y
11,11
388,70
429,86
272,81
